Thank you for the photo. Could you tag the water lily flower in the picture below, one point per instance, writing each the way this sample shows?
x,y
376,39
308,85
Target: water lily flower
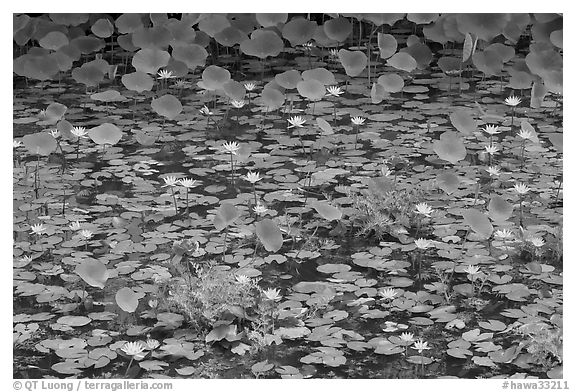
x,y
242,279
133,348
491,149
333,53
472,270
260,209
493,171
334,91
424,209
296,121
205,111
187,182
308,45
526,134
249,86
38,229
420,345
253,177
491,130
422,243
86,234
153,303
180,83
75,226
163,74
388,293
521,188
512,101
503,234
272,294
407,337
170,181
55,133
231,147
79,132
358,120
16,143
238,104
537,241
152,344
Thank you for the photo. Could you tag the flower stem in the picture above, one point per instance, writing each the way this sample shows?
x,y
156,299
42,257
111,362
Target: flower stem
x,y
128,368
174,197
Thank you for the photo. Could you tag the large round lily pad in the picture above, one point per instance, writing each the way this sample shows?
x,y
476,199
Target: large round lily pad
x,y
167,106
105,134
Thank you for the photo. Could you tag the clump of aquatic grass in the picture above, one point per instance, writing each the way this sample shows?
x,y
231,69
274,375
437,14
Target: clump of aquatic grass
x,y
384,208
210,294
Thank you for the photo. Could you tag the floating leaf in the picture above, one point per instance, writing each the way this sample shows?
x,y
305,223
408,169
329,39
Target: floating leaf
x,y
320,74
167,106
272,99
421,53
214,77
463,121
41,143
448,182
450,147
105,134
138,81
226,215
338,29
262,44
311,89
467,48
108,96
378,93
102,28
270,235
150,60
499,209
478,222
324,126
326,210
74,321
299,30
93,272
192,55
402,61
354,62
392,82
261,367
127,299
54,40
387,45
288,79
271,20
